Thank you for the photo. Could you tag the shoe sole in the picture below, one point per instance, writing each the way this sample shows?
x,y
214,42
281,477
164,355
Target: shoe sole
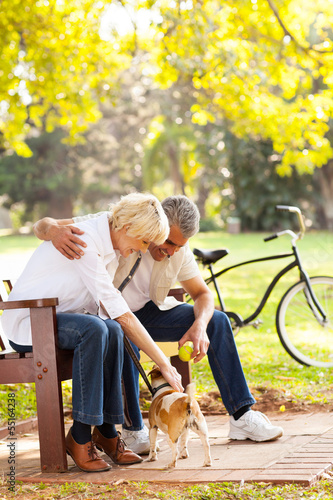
x,y
238,437
118,463
144,452
87,470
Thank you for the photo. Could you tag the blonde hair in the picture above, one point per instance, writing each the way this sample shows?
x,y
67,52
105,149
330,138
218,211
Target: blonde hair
x,y
144,215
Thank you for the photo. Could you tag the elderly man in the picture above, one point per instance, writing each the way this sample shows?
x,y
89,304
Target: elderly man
x,y
168,320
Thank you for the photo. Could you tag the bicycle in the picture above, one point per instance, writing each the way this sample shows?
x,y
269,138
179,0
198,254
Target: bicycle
x,y
304,313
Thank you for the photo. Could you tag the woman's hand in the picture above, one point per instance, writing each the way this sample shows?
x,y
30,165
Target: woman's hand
x,y
136,332
171,375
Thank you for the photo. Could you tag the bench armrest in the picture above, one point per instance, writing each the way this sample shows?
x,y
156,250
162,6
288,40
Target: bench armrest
x,y
23,304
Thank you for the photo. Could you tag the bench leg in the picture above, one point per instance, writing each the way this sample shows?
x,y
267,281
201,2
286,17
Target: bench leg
x,y
184,368
51,426
48,392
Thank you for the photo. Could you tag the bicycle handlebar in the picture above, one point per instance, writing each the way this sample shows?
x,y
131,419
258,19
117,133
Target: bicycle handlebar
x,y
297,211
287,208
272,237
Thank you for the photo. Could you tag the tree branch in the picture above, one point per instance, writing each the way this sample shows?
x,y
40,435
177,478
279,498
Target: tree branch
x,y
288,33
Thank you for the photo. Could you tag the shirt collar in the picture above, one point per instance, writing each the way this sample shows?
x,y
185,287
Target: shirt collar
x,y
104,231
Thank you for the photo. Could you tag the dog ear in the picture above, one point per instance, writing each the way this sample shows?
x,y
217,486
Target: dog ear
x,y
154,369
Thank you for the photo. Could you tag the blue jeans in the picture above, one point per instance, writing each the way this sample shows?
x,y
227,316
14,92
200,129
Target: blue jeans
x,y
171,325
97,366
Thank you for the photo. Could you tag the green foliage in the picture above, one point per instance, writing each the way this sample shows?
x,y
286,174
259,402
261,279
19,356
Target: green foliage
x,y
257,187
208,225
54,65
198,72
50,177
264,66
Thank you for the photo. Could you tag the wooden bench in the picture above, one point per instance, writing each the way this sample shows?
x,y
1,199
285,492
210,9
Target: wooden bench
x,y
46,367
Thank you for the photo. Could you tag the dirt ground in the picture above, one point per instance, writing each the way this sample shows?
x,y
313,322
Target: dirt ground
x,y
268,401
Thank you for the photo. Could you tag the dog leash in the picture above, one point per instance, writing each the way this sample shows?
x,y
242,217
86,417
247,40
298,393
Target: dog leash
x,y
132,353
137,363
127,343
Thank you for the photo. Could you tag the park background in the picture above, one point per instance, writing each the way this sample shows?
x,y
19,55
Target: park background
x,y
229,103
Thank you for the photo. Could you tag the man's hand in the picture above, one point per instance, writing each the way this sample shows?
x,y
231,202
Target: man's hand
x,y
64,239
62,234
203,311
198,336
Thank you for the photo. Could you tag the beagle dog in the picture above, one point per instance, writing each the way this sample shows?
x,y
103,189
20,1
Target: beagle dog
x,y
175,413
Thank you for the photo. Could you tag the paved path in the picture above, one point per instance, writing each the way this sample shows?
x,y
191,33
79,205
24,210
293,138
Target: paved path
x,y
302,455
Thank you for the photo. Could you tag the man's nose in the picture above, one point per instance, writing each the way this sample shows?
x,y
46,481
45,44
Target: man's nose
x,y
171,251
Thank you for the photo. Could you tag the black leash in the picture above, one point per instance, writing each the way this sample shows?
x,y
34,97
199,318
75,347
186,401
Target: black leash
x,y
137,363
127,343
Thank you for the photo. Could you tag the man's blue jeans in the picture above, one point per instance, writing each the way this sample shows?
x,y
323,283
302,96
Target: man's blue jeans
x,y
171,325
97,366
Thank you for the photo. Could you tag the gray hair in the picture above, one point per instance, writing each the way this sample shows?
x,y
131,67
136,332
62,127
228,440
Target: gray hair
x,y
183,213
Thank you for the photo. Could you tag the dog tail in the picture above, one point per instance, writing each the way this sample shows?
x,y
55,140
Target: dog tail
x,y
190,391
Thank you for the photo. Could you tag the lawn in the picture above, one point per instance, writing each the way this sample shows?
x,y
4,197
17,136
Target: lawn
x,y
125,490
268,368
266,364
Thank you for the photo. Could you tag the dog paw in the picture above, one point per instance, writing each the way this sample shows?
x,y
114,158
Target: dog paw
x,y
183,453
170,466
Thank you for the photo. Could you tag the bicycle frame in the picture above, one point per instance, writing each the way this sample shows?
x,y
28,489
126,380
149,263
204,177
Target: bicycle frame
x,y
295,263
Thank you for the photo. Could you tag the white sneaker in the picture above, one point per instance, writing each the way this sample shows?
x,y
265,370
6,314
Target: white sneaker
x,y
137,441
254,425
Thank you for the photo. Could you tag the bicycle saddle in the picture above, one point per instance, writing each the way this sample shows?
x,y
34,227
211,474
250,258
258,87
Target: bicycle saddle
x,y
210,256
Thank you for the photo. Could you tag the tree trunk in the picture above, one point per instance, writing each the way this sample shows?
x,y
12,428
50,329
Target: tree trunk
x,y
203,193
176,176
59,208
325,177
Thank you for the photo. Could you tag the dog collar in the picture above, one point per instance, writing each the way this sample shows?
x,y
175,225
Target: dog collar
x,y
160,387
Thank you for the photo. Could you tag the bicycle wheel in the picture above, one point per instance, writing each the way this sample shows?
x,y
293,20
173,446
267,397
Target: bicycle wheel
x,y
301,330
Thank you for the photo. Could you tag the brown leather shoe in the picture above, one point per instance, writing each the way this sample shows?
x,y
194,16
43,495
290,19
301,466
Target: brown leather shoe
x,y
85,455
115,448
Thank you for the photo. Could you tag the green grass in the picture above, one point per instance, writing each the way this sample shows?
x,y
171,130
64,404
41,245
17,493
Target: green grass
x,y
151,491
17,243
265,362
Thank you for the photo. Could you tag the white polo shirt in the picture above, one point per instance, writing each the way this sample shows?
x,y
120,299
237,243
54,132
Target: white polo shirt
x,y
153,279
81,285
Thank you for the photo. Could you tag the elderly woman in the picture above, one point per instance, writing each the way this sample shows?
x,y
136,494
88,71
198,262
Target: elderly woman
x,y
96,338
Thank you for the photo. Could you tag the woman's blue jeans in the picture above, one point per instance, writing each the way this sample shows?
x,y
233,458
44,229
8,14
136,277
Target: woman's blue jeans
x,y
171,325
97,366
